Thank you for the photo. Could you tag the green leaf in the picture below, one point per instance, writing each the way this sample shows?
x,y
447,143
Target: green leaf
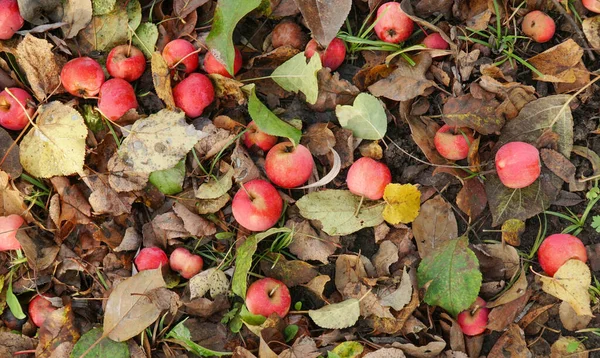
x,y
181,334
243,262
145,38
366,117
169,181
272,231
596,223
214,189
290,332
103,7
105,31
336,210
134,13
338,315
295,75
267,121
105,348
13,301
452,272
227,14
251,319
349,349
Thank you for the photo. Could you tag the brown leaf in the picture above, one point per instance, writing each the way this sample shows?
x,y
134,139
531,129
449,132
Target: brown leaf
x,y
75,208
11,343
128,310
501,316
371,150
333,91
385,256
77,14
559,63
324,18
9,155
317,285
40,65
228,91
163,228
104,199
203,307
497,261
563,347
590,155
369,303
11,200
369,75
591,29
244,167
302,347
435,224
512,230
471,112
161,77
194,224
165,299
123,178
291,273
309,245
171,28
471,199
181,8
319,139
406,82
344,145
466,63
211,206
511,344
216,140
558,164
582,75
348,269
569,318
58,333
423,131
40,252
514,95
429,350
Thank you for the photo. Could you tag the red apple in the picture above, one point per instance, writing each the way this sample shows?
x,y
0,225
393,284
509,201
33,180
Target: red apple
x,y
12,115
257,205
126,62
332,57
288,166
267,296
474,320
592,5
453,143
186,263
10,19
40,308
194,94
8,232
539,26
116,98
82,77
181,50
392,24
213,65
435,41
255,137
368,177
518,164
558,249
151,258
288,33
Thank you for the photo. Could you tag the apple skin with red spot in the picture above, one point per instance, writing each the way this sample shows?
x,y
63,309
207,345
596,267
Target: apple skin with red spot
x,y
257,206
473,321
393,25
267,296
187,264
116,98
10,19
539,26
557,249
255,137
213,65
126,62
181,52
332,57
12,115
453,143
151,258
288,166
368,177
518,164
40,308
194,94
8,232
82,77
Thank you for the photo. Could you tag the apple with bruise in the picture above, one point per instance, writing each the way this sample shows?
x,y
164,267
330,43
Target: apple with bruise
x,y
213,65
539,26
187,264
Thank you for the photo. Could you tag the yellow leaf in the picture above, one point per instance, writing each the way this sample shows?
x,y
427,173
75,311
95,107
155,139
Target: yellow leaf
x,y
403,203
570,284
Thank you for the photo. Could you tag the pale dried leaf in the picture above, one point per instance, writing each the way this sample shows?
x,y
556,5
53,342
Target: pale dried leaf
x,y
40,65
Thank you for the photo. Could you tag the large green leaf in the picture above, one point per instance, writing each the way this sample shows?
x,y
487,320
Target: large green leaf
x,y
336,210
106,348
267,121
227,14
295,75
366,117
452,272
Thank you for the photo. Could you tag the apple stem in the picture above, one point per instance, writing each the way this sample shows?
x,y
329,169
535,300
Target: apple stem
x,y
272,292
246,191
362,198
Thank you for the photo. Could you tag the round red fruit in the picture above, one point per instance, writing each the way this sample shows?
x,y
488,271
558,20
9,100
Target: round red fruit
x,y
12,115
518,164
194,94
181,53
558,249
257,206
368,177
392,24
213,65
82,77
126,62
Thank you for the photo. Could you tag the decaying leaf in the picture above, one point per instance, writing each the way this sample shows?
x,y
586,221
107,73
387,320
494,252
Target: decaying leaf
x,y
570,283
366,117
307,243
212,280
105,31
512,230
216,188
558,64
333,91
475,113
58,334
41,66
9,155
406,82
324,18
402,203
569,347
161,77
337,315
385,256
399,297
290,272
471,198
434,225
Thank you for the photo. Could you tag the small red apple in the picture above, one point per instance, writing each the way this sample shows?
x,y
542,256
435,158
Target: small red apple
x,y
257,206
288,166
82,77
255,137
518,164
435,41
558,249
267,296
592,5
213,65
40,308
474,320
10,18
186,263
126,62
453,143
332,57
151,258
116,98
539,26
194,94
181,50
392,24
8,232
368,177
288,33
12,115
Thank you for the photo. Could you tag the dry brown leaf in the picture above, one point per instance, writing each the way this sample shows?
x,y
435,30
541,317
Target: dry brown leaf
x,y
435,224
309,245
559,63
58,334
161,77
429,350
319,139
11,343
423,131
386,353
304,347
9,155
163,228
369,303
502,316
104,199
217,139
479,114
348,269
591,29
563,347
466,63
40,65
558,164
511,344
570,283
11,200
181,8
324,18
123,178
385,256
517,290
40,252
471,199
244,167
406,82
228,91
371,150
344,146
333,91
193,223
75,208
497,261
569,318
291,273
317,285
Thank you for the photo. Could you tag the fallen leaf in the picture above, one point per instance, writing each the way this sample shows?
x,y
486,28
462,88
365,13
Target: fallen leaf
x,y
568,347
295,75
511,344
317,285
435,225
558,64
40,252
11,200
570,283
471,198
9,155
406,81
228,90
106,346
349,349
402,203
103,7
366,117
291,273
216,188
385,256
302,347
475,113
558,164
333,91
369,303
193,223
56,145
145,38
569,318
423,131
182,8
307,243
386,353
244,167
429,350
319,139
348,269
58,333
324,18
128,310
372,150
512,230
399,297
591,29
11,343
161,77
105,31
40,65
104,199
338,315
497,261
77,14
123,178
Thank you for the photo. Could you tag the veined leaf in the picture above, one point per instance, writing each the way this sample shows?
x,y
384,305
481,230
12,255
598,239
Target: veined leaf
x,y
366,117
295,75
338,315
